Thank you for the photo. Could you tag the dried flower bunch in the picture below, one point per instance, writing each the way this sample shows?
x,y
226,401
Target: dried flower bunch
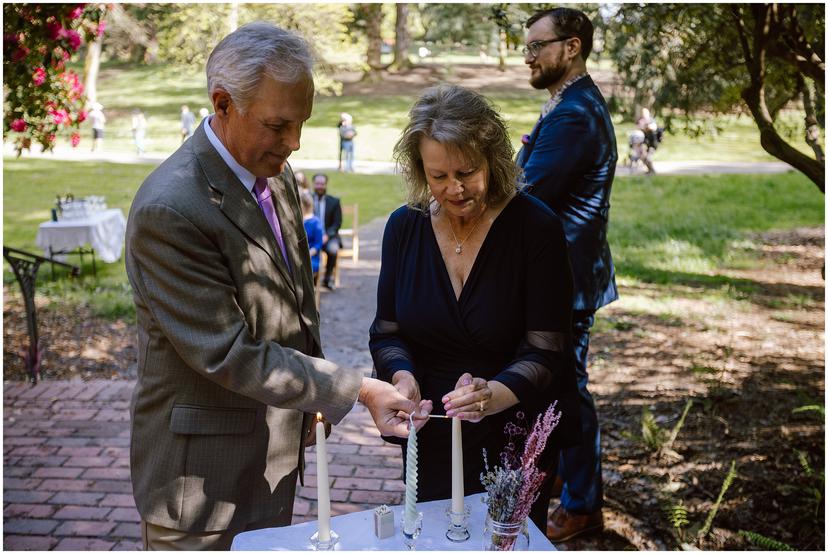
x,y
515,485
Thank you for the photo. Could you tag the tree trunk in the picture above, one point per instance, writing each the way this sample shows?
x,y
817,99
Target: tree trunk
x,y
90,69
374,33
402,40
812,134
501,50
234,16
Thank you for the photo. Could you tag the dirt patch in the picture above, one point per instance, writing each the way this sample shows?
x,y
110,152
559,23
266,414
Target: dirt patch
x,y
746,365
483,78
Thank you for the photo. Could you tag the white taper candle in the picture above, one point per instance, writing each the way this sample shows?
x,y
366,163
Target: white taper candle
x,y
323,494
456,467
410,515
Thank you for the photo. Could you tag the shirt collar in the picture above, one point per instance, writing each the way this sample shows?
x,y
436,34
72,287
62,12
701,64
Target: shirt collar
x,y
247,179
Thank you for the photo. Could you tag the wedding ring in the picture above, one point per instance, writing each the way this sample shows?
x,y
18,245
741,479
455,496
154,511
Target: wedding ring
x,y
480,405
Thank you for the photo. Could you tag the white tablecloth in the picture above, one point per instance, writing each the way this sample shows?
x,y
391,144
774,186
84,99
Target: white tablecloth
x,y
356,531
103,231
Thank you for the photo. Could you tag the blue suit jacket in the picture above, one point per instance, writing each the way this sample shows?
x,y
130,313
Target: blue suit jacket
x,y
569,163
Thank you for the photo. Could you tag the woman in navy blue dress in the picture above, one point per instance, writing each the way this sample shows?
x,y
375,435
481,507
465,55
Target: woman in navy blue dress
x,y
475,293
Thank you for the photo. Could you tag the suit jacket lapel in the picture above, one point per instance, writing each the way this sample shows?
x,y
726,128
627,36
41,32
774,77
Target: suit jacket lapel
x,y
237,203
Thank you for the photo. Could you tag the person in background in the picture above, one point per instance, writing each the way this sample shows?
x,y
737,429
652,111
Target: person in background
x,y
347,132
474,298
187,123
139,130
202,113
329,210
314,231
98,121
301,180
231,373
569,163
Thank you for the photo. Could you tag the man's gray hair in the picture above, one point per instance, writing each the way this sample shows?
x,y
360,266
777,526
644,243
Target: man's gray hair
x,y
253,51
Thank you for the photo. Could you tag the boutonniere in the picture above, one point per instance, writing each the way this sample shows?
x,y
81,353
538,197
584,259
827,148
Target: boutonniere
x,y
524,139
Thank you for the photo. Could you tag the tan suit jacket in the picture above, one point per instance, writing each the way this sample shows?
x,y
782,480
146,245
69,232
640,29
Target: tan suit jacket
x,y
229,368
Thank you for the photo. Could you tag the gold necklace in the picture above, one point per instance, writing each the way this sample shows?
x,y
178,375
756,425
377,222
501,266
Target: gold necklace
x,y
458,249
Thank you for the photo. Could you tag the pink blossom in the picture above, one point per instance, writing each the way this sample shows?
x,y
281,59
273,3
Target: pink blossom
x,y
39,76
18,125
51,139
60,117
54,30
74,39
101,28
81,117
75,139
20,53
76,12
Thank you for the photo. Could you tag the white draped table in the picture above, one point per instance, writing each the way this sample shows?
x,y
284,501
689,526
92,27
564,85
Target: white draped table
x,y
103,231
356,531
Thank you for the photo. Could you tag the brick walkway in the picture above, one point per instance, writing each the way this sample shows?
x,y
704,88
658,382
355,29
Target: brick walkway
x,y
66,467
66,483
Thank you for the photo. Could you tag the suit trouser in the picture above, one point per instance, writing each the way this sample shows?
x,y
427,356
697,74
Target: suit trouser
x,y
580,466
331,248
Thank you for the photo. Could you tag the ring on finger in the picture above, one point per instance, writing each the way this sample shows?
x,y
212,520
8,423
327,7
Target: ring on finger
x,y
480,406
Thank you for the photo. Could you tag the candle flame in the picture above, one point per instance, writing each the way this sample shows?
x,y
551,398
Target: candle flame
x,y
318,416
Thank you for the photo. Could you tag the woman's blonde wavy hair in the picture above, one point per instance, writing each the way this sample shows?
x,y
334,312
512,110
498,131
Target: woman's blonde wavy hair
x,y
466,121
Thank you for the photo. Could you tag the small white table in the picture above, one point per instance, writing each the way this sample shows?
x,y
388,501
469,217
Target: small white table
x,y
103,231
356,531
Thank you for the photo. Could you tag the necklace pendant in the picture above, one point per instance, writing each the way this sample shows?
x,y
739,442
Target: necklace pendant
x,y
458,250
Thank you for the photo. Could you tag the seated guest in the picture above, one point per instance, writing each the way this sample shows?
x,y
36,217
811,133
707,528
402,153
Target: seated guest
x,y
475,294
314,230
328,209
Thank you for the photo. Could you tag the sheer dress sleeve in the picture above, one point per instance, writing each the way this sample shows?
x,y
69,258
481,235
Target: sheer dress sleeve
x,y
545,352
388,349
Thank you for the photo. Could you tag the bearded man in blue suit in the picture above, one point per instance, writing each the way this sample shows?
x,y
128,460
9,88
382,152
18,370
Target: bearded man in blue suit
x,y
569,163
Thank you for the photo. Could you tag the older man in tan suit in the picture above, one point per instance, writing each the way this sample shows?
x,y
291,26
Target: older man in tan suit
x,y
230,368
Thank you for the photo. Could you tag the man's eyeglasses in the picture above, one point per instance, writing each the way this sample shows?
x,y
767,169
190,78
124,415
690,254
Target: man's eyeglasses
x,y
534,47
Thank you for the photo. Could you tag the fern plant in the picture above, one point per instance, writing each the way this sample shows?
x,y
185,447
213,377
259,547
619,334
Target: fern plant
x,y
764,542
677,516
708,523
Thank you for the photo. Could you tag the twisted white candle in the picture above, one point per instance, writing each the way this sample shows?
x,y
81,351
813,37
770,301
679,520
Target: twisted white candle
x,y
323,494
410,516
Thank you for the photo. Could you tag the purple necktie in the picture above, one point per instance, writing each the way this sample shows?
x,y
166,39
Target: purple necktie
x,y
265,198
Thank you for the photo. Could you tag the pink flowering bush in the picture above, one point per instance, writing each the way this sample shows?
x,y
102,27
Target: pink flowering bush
x,y
43,96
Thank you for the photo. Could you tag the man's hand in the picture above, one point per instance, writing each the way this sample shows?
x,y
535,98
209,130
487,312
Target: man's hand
x,y
389,409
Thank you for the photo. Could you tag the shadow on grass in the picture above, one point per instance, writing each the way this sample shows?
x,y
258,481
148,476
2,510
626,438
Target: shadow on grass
x,y
758,292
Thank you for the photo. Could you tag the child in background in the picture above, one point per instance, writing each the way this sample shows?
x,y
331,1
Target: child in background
x,y
314,230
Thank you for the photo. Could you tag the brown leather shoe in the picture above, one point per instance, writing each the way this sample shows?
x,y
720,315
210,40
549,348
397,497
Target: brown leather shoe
x,y
563,526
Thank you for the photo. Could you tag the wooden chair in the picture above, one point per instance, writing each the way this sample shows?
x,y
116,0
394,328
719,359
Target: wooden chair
x,y
353,232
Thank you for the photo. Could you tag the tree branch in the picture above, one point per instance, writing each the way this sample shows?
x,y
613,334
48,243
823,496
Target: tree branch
x,y
754,97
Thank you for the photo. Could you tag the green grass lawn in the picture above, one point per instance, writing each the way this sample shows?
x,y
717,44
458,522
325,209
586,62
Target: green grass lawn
x,y
30,187
161,90
670,230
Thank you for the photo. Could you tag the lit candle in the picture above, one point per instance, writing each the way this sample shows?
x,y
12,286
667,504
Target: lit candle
x,y
456,467
323,493
410,516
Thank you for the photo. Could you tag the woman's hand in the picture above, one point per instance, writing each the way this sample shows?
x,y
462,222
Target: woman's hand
x,y
407,385
474,398
469,398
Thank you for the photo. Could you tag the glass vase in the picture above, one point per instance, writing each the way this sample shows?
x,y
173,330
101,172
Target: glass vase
x,y
505,536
